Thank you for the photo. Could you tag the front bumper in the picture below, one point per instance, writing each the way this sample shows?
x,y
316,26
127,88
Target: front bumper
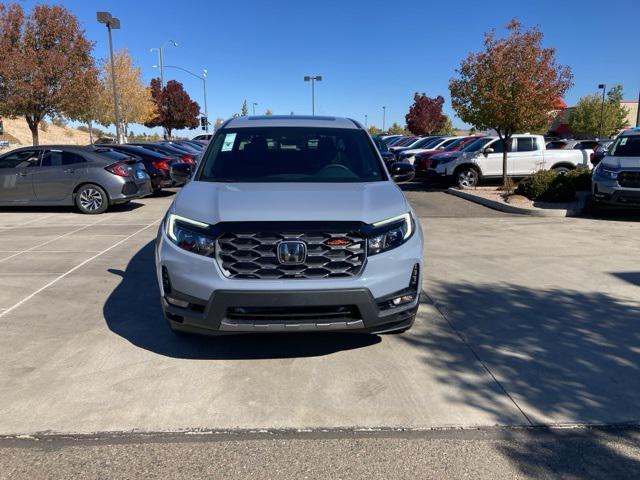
x,y
609,192
245,311
198,281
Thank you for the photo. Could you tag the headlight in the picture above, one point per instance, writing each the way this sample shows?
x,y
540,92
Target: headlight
x,y
607,173
393,233
190,235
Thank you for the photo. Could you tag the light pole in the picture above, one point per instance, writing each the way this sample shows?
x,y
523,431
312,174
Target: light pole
x,y
384,114
112,23
638,114
160,51
317,78
202,77
604,89
254,108
366,119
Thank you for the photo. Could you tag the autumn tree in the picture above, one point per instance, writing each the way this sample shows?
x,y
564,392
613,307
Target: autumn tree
x,y
511,86
396,129
134,97
373,130
174,109
244,111
447,128
591,118
425,116
46,67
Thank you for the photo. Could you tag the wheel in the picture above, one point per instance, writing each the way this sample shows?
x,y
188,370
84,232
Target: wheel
x,y
561,170
467,177
92,199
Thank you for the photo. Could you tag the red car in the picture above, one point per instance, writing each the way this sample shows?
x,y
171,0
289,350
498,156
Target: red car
x,y
423,160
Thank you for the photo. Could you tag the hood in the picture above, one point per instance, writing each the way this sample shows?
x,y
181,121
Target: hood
x,y
245,202
621,162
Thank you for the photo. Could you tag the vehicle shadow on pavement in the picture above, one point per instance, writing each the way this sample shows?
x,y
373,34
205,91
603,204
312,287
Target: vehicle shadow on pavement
x,y
123,207
133,312
563,356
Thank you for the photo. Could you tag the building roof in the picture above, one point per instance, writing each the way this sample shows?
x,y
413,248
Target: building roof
x,y
291,121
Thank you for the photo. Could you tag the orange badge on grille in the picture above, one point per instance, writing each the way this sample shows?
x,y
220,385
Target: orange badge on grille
x,y
338,242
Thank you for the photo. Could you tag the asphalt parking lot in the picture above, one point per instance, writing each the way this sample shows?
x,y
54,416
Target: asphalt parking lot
x,y
524,322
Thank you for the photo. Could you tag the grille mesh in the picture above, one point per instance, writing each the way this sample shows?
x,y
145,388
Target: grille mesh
x,y
254,255
629,179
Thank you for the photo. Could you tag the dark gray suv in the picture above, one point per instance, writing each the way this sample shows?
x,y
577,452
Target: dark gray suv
x,y
88,177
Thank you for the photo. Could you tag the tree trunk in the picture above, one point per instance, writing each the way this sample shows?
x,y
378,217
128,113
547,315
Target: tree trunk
x,y
167,133
506,140
33,126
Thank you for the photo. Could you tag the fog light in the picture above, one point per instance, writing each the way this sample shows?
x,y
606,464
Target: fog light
x,y
402,300
177,303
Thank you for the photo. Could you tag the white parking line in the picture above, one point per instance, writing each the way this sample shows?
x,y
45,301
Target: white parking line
x,y
4,229
80,265
52,240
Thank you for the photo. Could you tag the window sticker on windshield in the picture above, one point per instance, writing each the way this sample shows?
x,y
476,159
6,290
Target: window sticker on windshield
x,y
623,141
227,143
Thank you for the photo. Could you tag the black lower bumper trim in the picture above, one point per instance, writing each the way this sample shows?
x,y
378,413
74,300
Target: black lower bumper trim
x,y
265,312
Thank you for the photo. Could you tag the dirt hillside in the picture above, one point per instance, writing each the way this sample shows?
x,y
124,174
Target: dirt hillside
x,y
17,132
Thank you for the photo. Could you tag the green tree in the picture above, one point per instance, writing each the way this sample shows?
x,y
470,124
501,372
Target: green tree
x,y
447,129
218,123
268,112
244,111
396,129
585,119
509,87
46,67
373,130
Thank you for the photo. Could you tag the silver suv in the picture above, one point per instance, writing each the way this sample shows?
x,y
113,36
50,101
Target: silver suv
x,y
616,179
290,224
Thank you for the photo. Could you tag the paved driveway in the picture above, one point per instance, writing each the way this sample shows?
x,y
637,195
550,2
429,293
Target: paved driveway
x,y
524,321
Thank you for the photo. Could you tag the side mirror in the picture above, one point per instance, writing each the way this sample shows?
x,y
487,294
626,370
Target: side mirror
x,y
402,172
181,173
487,151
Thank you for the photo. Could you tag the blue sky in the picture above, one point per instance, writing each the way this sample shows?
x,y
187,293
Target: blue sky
x,y
369,53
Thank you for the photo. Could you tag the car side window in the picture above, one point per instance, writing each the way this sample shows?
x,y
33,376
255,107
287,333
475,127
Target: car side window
x,y
497,146
51,158
526,144
21,159
70,158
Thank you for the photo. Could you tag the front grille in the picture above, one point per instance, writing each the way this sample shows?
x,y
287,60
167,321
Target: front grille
x,y
313,313
629,179
254,255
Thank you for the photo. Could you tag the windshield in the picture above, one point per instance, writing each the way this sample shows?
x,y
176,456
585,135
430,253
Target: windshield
x,y
432,143
291,154
476,145
627,146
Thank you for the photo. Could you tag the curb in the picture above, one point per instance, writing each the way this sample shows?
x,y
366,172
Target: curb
x,y
505,207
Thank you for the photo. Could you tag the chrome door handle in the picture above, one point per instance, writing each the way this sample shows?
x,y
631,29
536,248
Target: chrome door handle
x,y
69,170
22,174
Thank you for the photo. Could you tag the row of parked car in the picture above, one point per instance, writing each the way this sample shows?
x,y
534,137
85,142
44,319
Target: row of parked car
x,y
467,159
92,177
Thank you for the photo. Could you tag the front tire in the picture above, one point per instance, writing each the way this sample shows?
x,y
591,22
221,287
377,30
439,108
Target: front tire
x,y
92,199
562,170
467,177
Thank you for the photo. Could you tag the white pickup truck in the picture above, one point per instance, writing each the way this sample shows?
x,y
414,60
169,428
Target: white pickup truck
x,y
527,154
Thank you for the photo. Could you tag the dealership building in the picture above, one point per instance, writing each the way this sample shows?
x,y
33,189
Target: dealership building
x,y
560,125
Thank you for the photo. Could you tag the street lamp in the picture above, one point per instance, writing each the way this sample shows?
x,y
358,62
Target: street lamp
x,y
317,78
366,119
112,23
254,108
160,51
604,89
384,114
202,77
